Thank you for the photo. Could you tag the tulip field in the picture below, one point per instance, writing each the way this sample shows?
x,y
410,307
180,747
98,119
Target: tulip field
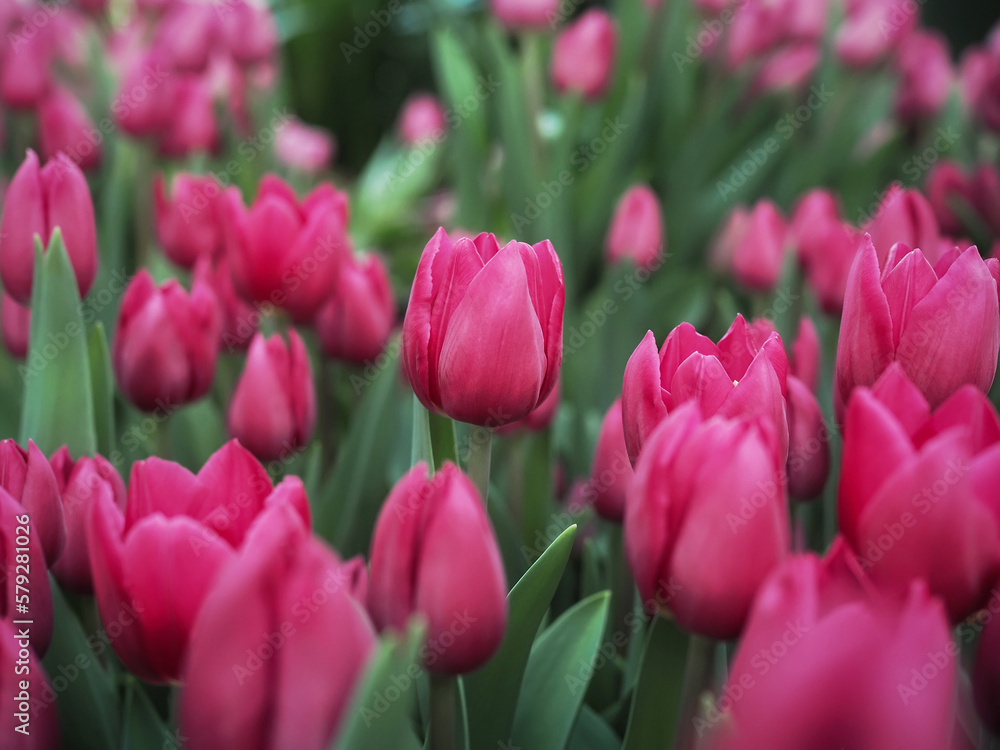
x,y
499,375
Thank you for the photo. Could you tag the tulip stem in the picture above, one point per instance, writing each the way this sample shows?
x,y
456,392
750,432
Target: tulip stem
x,y
442,728
697,678
478,467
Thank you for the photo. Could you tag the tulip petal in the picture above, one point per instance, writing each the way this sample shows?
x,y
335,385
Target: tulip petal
x,y
643,404
160,486
969,408
235,488
41,498
702,379
70,207
905,285
23,218
417,359
680,344
901,397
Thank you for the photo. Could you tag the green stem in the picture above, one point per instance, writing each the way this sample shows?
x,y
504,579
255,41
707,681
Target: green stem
x,y
697,678
442,729
480,449
623,590
534,86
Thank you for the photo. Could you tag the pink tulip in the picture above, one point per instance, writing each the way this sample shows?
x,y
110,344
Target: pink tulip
x,y
273,409
24,695
27,476
804,361
758,253
38,201
796,680
196,523
986,195
583,56
706,518
723,244
738,377
903,216
165,343
80,482
303,147
434,554
916,485
423,120
482,336
949,187
250,32
280,646
611,475
187,34
939,323
636,231
526,14
188,223
539,418
980,80
925,75
15,324
25,61
24,595
191,125
284,251
240,320
986,672
788,68
66,127
871,31
146,97
357,321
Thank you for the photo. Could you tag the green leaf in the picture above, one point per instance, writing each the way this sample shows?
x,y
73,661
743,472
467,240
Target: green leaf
x,y
142,727
559,670
653,719
591,732
492,691
88,706
379,717
58,401
104,390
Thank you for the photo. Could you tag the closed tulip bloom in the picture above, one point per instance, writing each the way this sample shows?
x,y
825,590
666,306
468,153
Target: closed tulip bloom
x,y
196,522
949,187
789,68
814,687
357,321
526,14
20,529
191,125
986,195
986,672
145,115
317,656
37,201
80,482
636,230
980,79
759,252
188,222
434,554
240,319
285,251
482,336
40,714
25,62
273,409
422,120
583,56
250,32
707,514
925,71
940,324
903,216
871,31
15,324
826,246
611,475
804,360
187,34
165,344
27,476
303,147
65,126
738,377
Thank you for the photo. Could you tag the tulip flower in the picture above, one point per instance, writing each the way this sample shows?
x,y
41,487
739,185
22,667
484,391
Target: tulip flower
x,y
526,14
434,554
796,681
357,321
759,253
872,30
25,62
303,147
706,513
986,195
925,71
636,230
196,522
940,324
37,201
583,56
915,486
423,120
15,324
611,475
273,410
165,343
240,320
280,646
146,95
250,32
804,362
482,336
187,34
188,223
538,419
27,476
826,246
191,125
903,216
788,68
286,252
79,483
980,79
986,672
24,695
948,187
25,595
65,126
738,377
723,245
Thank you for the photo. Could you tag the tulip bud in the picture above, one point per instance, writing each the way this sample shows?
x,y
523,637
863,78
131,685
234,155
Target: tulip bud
x,y
434,554
28,478
79,483
986,195
903,216
611,476
706,519
759,252
423,120
303,147
482,339
239,319
188,224
30,721
281,615
870,32
526,14
636,230
187,34
146,95
284,251
986,673
908,314
980,80
357,321
826,246
925,75
250,32
808,443
38,201
15,323
25,62
273,409
788,69
165,343
65,126
947,188
583,56
804,362
196,523
191,125
22,542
